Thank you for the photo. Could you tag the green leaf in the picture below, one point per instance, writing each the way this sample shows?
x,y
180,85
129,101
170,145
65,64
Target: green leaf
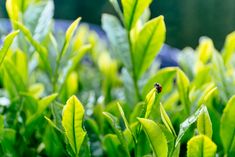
x,y
166,120
201,146
42,106
125,121
8,141
53,124
70,31
188,122
53,143
113,121
156,137
149,101
170,139
123,116
36,90
112,146
205,49
220,77
6,45
227,127
72,121
14,77
68,36
68,71
128,83
229,47
21,63
13,10
42,51
164,77
183,89
148,44
132,10
44,21
117,36
206,93
117,8
204,124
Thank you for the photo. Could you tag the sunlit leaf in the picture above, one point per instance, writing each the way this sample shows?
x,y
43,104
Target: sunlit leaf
x,y
43,53
188,122
205,49
156,137
6,45
183,89
132,10
13,9
13,75
201,146
149,101
204,124
148,44
166,120
164,77
227,128
229,47
72,121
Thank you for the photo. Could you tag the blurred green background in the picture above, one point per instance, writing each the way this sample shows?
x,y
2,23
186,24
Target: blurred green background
x,y
186,20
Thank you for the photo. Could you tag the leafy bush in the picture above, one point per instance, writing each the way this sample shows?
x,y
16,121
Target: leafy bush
x,y
126,106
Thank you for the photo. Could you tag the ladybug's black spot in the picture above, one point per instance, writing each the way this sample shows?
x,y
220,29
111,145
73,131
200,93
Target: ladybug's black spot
x,y
158,87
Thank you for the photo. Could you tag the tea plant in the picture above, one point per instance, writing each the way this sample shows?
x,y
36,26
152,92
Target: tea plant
x,y
127,106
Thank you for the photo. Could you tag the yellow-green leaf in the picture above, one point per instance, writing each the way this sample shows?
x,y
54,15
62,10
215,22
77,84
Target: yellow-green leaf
x,y
132,10
149,101
13,75
114,123
156,137
72,121
229,47
204,124
42,106
227,128
205,49
42,51
53,124
148,44
188,122
68,36
164,77
6,45
166,120
201,146
128,128
183,89
13,9
70,31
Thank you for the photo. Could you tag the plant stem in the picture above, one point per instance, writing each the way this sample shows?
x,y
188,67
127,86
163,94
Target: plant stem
x,y
135,81
57,66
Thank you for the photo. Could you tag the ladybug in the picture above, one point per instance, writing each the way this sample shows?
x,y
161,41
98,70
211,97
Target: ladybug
x,y
158,87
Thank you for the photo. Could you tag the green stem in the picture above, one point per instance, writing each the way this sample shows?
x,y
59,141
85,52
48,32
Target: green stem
x,y
58,60
135,81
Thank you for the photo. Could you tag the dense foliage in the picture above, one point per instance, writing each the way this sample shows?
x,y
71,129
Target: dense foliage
x,y
127,106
